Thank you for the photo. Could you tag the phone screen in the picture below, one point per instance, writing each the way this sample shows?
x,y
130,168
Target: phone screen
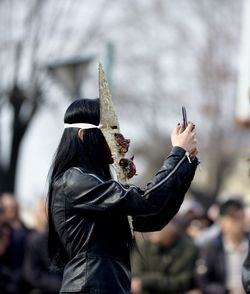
x,y
184,116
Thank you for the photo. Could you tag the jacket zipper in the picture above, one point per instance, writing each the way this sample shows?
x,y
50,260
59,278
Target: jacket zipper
x,y
188,156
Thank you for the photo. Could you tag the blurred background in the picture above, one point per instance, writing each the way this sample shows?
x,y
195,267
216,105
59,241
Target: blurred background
x,y
158,55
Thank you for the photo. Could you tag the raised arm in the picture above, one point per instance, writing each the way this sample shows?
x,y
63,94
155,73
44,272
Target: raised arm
x,y
157,221
89,193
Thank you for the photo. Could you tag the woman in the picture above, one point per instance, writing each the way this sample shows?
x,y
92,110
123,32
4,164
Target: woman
x,y
89,233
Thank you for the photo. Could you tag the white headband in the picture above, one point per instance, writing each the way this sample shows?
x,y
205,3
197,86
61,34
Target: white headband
x,y
84,126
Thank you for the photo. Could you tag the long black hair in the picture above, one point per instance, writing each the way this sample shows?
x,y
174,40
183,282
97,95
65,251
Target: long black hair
x,y
89,154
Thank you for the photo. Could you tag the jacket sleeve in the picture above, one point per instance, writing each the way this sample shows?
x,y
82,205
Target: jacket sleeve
x,y
88,193
157,222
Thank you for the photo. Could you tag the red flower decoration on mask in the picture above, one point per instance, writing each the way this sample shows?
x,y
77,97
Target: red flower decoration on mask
x,y
128,166
122,143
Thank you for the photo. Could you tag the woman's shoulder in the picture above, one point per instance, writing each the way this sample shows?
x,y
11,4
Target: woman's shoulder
x,y
76,178
81,172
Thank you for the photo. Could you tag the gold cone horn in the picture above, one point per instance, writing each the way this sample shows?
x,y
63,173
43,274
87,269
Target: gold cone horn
x,y
111,130
110,124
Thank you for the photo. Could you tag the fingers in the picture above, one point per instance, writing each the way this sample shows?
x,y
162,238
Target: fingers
x,y
190,127
176,130
182,128
179,129
185,138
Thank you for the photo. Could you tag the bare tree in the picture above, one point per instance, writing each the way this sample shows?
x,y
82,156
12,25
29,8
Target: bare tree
x,y
217,76
24,102
41,18
215,60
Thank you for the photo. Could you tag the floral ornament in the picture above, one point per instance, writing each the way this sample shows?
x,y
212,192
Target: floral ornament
x,y
128,166
122,143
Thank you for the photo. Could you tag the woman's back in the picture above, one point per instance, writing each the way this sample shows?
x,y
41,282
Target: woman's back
x,y
97,241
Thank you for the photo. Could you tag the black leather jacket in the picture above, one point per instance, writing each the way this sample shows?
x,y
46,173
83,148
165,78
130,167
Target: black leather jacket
x,y
90,216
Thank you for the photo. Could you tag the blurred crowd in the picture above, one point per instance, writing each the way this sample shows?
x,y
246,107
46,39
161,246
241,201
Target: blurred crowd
x,y
198,252
24,263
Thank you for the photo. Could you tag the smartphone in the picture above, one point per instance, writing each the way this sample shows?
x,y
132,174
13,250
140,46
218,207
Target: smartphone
x,y
184,116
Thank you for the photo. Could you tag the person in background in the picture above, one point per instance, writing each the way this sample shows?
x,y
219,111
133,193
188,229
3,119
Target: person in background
x,y
165,262
191,210
198,220
246,264
18,235
212,230
220,263
247,218
10,211
11,281
36,262
6,285
246,271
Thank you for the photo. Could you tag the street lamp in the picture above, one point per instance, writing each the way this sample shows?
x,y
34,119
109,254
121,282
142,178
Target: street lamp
x,y
70,73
